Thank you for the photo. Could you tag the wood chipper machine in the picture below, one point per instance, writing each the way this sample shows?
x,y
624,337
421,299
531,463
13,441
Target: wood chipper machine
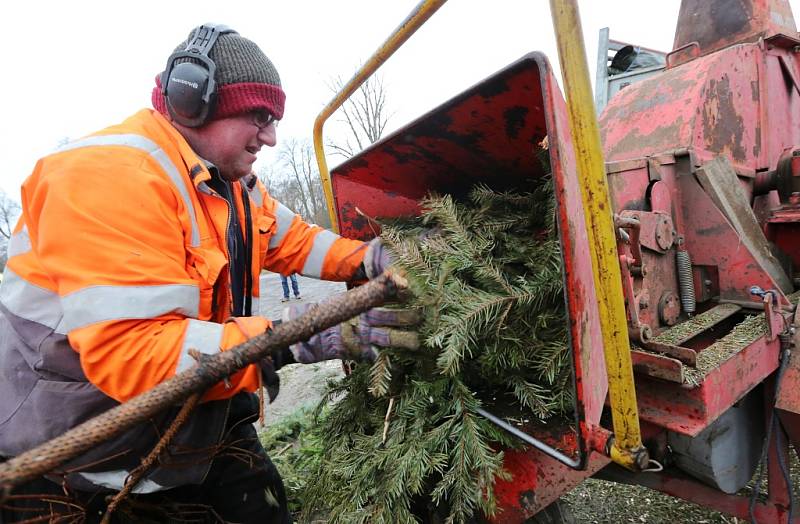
x,y
678,213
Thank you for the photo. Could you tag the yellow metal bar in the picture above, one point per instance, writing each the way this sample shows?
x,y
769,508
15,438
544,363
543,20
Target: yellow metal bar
x,y
415,19
627,449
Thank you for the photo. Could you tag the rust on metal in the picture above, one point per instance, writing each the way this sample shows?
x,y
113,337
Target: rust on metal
x,y
657,366
678,109
720,24
685,355
536,481
723,126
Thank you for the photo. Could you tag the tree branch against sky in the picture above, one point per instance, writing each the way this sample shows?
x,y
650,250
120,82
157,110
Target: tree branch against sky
x,y
293,179
364,115
9,213
462,43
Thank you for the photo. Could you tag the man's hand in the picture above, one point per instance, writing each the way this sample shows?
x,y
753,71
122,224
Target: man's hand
x,y
376,259
359,338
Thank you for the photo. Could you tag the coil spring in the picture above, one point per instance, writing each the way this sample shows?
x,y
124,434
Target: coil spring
x,y
685,281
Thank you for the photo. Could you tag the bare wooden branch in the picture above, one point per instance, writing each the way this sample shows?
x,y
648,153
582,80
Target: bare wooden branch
x,y
52,454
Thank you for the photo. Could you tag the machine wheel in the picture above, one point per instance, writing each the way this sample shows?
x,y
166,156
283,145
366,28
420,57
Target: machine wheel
x,y
556,513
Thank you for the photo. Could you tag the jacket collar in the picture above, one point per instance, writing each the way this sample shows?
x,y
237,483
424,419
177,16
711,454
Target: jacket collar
x,y
198,168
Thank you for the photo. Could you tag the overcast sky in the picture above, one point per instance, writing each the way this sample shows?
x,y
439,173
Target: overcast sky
x,y
71,68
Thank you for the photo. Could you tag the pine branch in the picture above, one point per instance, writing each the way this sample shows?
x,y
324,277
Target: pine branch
x,y
487,275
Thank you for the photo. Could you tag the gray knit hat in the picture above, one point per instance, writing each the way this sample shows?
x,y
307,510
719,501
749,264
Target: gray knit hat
x,y
246,79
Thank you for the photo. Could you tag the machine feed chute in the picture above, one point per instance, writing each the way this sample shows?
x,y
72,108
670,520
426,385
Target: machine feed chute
x,y
492,134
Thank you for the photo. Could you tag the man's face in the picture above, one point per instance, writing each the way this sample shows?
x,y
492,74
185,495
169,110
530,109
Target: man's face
x,y
232,143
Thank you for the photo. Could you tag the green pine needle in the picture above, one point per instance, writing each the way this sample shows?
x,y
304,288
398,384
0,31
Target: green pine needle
x,y
486,274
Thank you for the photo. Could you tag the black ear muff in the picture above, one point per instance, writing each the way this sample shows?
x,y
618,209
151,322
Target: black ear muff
x,y
189,88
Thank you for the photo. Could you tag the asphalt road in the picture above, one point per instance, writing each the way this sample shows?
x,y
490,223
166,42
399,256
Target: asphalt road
x,y
301,385
311,290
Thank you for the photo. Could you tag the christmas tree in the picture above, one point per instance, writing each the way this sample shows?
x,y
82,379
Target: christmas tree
x,y
402,436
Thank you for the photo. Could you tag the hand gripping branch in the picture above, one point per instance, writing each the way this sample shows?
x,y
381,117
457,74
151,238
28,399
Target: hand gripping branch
x,y
52,454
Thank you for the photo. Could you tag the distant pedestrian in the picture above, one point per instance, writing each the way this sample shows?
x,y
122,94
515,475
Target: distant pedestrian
x,y
295,287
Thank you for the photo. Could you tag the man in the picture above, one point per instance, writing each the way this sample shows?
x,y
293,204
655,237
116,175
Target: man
x,y
285,285
138,244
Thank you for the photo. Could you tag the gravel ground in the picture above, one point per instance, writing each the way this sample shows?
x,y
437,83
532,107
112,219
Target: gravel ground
x,y
598,501
592,502
301,385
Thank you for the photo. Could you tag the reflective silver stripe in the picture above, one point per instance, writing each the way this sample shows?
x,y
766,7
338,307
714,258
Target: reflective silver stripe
x,y
101,303
322,244
19,243
203,336
116,480
255,194
158,154
284,216
31,302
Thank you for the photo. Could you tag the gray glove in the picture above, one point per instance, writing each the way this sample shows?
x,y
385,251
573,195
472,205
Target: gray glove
x,y
376,259
358,338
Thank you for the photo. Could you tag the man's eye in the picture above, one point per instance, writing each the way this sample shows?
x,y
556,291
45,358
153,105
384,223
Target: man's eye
x,y
263,118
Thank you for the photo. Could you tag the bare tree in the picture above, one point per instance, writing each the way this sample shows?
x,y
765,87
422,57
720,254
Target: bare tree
x,y
364,114
268,177
9,212
294,178
294,181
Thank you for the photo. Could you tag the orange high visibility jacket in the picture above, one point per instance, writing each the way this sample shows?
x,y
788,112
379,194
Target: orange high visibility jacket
x,y
121,249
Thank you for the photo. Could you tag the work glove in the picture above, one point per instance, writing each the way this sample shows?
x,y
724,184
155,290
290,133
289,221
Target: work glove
x,y
269,377
377,259
359,338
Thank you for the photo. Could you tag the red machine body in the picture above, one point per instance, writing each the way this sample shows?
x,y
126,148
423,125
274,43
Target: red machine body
x,y
704,181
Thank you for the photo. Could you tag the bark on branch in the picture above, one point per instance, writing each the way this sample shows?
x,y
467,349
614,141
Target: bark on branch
x,y
52,454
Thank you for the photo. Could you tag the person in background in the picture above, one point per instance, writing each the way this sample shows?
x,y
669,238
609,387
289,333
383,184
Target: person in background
x,y
139,250
295,287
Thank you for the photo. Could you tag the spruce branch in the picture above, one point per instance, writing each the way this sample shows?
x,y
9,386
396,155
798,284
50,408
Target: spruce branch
x,y
486,272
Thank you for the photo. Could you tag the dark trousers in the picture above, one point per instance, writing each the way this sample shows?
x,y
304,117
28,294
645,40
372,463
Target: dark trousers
x,y
242,486
285,284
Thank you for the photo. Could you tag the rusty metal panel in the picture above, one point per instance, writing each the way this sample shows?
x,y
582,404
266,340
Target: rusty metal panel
x,y
789,393
688,410
787,398
657,366
711,26
709,105
488,134
712,241
537,481
586,338
721,183
781,109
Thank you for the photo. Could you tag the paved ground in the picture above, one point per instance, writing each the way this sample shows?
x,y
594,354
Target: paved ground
x,y
311,290
301,385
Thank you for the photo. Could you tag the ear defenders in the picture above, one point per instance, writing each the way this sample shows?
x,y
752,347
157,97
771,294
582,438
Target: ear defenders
x,y
189,88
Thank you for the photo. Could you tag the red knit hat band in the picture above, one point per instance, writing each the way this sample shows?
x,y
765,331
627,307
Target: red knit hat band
x,y
235,99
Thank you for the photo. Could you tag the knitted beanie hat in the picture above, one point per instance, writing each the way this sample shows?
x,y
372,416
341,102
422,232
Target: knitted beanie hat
x,y
246,79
